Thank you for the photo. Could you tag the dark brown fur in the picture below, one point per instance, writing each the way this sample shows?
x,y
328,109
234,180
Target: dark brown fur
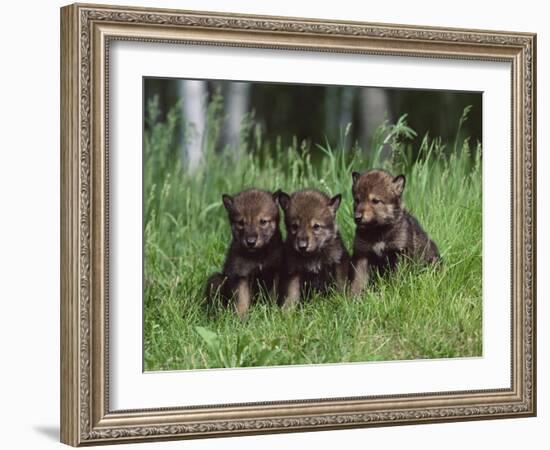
x,y
385,230
315,256
255,254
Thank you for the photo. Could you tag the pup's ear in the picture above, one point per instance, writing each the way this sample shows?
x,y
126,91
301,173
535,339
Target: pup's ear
x,y
275,196
399,184
355,176
283,199
334,203
227,202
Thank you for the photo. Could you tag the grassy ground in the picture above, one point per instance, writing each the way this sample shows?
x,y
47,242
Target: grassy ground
x,y
416,313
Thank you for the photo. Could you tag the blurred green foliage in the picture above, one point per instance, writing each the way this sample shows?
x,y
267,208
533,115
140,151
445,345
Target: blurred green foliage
x,y
318,113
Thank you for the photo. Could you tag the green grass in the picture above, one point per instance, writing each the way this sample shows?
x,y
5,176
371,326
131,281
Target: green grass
x,y
415,313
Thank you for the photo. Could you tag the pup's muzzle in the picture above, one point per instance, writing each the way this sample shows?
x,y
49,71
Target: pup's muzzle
x,y
302,245
251,241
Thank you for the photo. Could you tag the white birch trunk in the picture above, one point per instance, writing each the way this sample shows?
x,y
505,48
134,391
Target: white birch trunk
x,y
346,112
193,95
237,96
375,109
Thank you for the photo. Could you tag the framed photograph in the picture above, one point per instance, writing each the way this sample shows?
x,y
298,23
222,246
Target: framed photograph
x,y
276,225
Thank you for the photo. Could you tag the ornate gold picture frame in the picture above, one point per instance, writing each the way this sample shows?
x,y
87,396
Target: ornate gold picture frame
x,y
87,32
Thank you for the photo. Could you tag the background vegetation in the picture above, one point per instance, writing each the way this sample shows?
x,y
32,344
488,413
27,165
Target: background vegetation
x,y
416,313
316,113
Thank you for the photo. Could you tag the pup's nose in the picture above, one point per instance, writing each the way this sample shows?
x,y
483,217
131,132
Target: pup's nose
x,y
251,241
358,217
302,245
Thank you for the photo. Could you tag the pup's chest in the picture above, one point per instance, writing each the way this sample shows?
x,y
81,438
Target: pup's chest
x,y
377,248
314,265
317,267
254,267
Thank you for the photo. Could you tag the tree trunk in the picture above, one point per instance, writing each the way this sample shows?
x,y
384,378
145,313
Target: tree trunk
x,y
331,129
346,114
193,94
237,97
375,108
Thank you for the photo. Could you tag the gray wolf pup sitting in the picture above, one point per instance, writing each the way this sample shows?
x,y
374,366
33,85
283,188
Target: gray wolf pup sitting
x,y
315,257
384,228
255,253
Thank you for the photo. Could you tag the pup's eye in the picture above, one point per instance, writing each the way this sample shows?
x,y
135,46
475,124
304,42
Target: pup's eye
x,y
293,228
263,222
316,227
376,201
357,199
240,223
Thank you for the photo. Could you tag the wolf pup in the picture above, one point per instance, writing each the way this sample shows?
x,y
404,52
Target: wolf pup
x,y
315,256
255,254
385,230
